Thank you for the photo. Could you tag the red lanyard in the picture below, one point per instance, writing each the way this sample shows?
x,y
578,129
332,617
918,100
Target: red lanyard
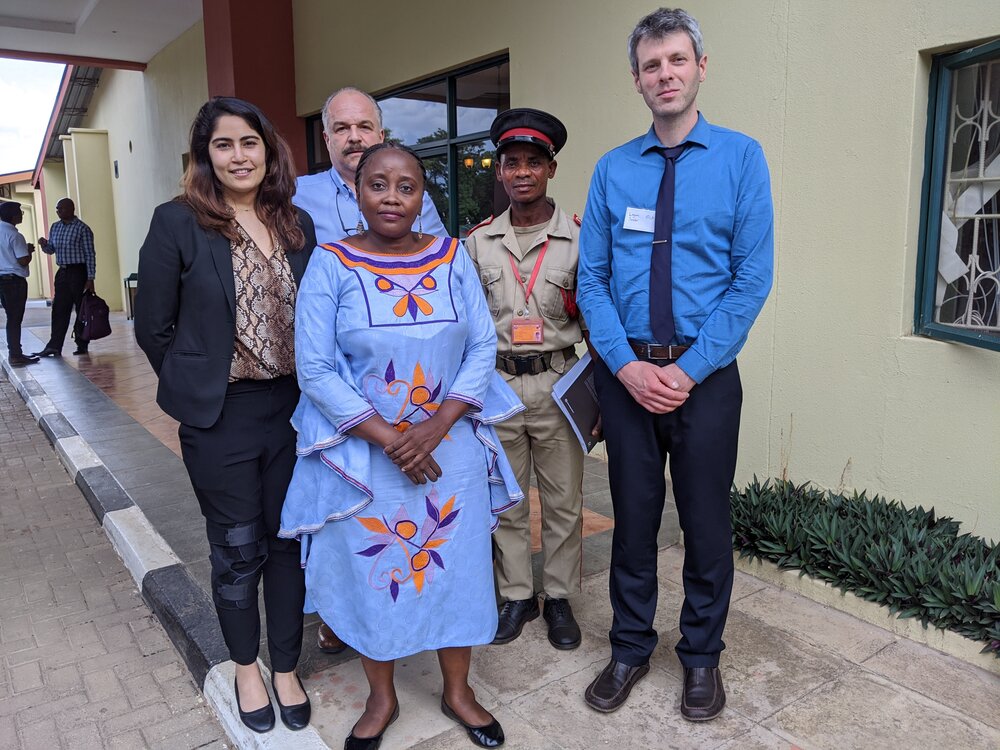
x,y
534,271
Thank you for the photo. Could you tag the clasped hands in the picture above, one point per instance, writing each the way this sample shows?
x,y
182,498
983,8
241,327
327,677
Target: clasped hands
x,y
412,451
656,389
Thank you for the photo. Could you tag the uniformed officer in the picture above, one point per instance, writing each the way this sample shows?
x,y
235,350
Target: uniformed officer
x,y
527,260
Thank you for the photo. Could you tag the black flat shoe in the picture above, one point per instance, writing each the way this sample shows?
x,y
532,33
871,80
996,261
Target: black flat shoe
x,y
259,720
490,735
294,717
47,352
353,742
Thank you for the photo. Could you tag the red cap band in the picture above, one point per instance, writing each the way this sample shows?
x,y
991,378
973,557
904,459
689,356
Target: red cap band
x,y
530,132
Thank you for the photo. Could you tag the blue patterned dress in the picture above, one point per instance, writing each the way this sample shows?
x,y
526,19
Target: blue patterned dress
x,y
393,567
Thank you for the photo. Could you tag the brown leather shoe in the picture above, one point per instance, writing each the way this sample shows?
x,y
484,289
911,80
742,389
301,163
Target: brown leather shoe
x,y
611,688
704,697
327,641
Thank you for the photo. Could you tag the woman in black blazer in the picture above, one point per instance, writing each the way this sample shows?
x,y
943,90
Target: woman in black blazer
x,y
214,313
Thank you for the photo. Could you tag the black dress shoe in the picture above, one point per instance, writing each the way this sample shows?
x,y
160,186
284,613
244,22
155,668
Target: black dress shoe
x,y
327,641
490,735
703,697
610,690
18,360
294,717
81,350
564,633
353,742
259,720
48,352
513,615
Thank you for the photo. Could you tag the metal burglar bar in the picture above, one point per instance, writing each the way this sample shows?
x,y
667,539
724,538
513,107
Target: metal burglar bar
x,y
969,251
959,293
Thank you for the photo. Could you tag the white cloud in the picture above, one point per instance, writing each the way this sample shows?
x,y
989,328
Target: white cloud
x,y
27,92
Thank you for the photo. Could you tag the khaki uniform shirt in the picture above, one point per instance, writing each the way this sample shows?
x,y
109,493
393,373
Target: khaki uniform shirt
x,y
491,246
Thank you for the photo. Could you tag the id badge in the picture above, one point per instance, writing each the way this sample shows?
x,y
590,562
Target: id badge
x,y
526,331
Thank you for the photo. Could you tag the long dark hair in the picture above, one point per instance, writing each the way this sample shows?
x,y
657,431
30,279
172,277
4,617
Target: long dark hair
x,y
203,193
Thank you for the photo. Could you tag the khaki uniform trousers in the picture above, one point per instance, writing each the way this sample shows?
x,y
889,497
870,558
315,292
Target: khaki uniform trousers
x,y
540,436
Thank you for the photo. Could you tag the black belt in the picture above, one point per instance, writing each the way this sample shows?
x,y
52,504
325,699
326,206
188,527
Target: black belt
x,y
11,276
656,352
529,364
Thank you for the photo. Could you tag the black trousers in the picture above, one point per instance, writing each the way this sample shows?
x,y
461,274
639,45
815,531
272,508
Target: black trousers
x,y
700,438
13,297
67,294
240,468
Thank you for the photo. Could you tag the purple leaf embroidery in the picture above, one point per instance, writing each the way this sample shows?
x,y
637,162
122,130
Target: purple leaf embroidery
x,y
394,590
373,550
431,510
448,519
437,390
437,559
390,373
411,306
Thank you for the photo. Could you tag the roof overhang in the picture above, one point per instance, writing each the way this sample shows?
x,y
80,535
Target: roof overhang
x,y
98,33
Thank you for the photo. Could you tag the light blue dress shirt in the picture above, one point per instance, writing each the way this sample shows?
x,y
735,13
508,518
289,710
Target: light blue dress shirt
x,y
12,247
334,209
722,256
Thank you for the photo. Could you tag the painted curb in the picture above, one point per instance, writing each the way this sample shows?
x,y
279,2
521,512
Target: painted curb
x,y
822,592
220,696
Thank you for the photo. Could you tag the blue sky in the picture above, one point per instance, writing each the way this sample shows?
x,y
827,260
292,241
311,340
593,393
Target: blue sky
x,y
27,92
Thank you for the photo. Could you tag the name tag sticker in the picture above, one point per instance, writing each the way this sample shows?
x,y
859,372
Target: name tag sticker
x,y
640,219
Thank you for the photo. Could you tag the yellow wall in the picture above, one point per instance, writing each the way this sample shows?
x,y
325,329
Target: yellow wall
x,y
29,227
147,117
90,189
837,389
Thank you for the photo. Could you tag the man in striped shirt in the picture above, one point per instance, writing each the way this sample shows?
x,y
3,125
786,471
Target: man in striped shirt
x,y
72,242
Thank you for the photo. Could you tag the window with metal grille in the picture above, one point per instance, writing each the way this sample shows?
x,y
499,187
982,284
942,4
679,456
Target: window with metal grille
x,y
958,289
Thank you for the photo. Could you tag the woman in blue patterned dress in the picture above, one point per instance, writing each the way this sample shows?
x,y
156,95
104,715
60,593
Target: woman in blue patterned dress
x,y
400,474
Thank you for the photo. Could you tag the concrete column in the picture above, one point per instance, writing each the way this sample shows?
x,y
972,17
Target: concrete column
x,y
250,54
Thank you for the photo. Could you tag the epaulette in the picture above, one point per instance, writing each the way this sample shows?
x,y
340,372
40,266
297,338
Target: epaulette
x,y
484,223
578,220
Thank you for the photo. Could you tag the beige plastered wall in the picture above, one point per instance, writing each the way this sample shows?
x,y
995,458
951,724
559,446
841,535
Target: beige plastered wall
x,y
147,117
837,390
30,229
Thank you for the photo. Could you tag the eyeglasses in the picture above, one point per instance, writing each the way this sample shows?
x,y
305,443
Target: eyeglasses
x,y
348,231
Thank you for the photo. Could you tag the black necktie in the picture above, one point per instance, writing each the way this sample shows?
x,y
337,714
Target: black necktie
x,y
661,308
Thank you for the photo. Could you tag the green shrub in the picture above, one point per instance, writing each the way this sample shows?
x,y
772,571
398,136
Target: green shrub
x,y
908,559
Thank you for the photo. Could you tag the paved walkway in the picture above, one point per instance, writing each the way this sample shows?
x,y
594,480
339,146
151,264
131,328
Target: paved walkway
x,y
85,664
798,674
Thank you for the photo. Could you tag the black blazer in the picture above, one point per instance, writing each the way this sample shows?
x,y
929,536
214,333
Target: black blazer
x,y
185,310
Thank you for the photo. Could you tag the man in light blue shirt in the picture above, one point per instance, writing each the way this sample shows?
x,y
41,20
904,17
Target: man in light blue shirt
x,y
352,121
15,256
677,393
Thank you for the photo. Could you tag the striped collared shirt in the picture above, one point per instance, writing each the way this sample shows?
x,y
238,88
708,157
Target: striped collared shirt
x,y
73,243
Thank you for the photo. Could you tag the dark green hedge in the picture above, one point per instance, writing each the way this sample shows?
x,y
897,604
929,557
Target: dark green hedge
x,y
908,559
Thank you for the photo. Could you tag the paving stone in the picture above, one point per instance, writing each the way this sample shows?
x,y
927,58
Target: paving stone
x,y
941,678
863,710
26,676
42,735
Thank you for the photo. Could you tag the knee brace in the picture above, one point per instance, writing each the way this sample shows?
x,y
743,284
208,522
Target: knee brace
x,y
237,554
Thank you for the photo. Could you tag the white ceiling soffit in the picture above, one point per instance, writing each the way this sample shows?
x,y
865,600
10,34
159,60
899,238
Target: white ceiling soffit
x,y
133,30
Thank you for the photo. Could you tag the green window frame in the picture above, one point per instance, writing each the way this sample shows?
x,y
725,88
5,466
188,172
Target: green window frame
x,y
958,268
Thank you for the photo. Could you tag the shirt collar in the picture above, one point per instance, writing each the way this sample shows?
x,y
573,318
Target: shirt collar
x,y
558,225
700,134
339,184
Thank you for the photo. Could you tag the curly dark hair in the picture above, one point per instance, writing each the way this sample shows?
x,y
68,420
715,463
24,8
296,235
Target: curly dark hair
x,y
372,150
203,193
